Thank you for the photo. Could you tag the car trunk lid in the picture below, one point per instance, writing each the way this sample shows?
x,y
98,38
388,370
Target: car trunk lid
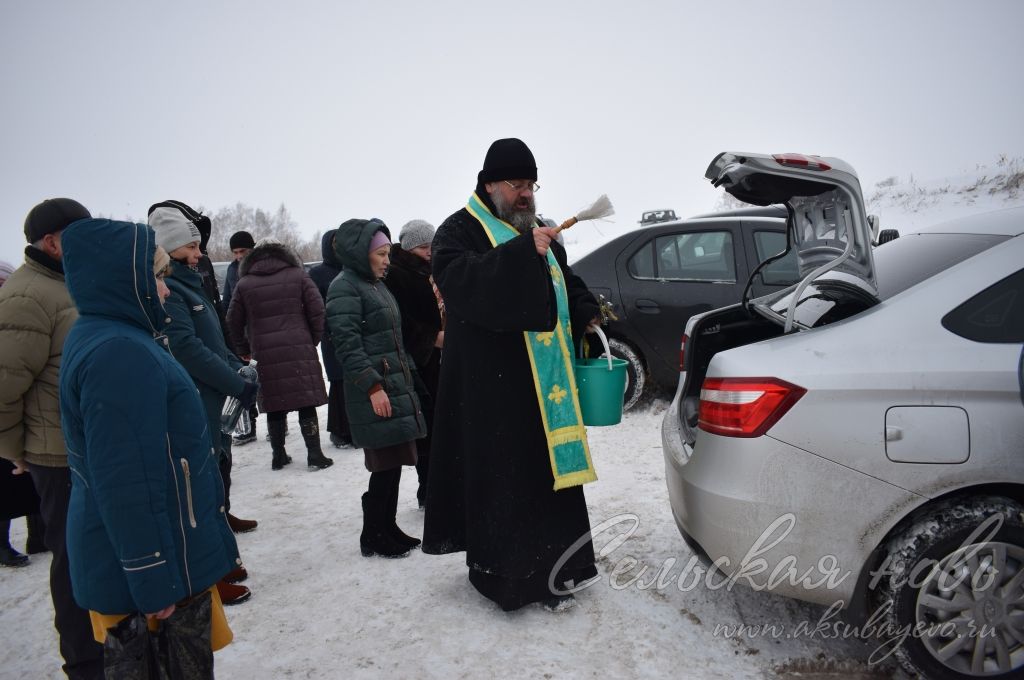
x,y
829,228
827,224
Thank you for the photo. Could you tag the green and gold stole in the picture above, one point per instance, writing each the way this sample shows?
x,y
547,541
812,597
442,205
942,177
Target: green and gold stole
x,y
551,359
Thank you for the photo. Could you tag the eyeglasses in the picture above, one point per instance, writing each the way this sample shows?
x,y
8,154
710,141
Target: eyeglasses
x,y
522,186
164,273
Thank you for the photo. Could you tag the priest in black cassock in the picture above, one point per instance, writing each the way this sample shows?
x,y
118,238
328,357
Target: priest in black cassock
x,y
510,453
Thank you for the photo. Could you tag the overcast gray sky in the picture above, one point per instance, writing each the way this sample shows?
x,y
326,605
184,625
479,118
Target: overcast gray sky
x,y
360,109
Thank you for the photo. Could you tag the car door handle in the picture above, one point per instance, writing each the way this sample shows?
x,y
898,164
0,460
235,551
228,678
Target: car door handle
x,y
647,306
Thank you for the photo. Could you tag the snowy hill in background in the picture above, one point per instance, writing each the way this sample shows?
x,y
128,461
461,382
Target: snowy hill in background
x,y
910,204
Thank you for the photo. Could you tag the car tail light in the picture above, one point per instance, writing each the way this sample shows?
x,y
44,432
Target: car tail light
x,y
797,160
682,352
745,407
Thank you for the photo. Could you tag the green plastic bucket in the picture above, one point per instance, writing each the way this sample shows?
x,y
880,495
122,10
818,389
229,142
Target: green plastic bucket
x,y
601,384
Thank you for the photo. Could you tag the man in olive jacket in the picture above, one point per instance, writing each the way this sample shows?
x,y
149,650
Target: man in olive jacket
x,y
36,313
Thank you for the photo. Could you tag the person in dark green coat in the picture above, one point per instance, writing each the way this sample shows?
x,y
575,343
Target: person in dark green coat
x,y
196,340
383,407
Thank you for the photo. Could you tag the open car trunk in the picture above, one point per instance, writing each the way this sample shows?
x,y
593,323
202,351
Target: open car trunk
x,y
820,303
827,224
829,228
706,335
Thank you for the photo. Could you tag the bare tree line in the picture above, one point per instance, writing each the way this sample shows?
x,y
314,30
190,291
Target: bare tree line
x,y
258,222
261,224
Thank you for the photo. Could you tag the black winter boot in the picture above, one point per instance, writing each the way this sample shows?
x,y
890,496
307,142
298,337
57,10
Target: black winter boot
x,y
36,531
376,538
277,429
315,457
9,557
392,510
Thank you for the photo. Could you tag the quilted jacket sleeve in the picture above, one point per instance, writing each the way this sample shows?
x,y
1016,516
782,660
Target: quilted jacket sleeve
x,y
345,318
313,303
237,318
200,361
25,330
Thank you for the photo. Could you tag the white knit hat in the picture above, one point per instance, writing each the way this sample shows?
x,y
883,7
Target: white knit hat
x,y
173,230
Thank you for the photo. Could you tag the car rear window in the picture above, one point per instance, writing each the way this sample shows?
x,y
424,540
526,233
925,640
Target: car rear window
x,y
641,265
911,259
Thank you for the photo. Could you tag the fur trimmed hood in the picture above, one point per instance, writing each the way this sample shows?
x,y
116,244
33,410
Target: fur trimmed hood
x,y
268,258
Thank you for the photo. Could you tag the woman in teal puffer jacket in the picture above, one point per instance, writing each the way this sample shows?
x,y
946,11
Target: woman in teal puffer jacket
x,y
196,339
380,396
146,520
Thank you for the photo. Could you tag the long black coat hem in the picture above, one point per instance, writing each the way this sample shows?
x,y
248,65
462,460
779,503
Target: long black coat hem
x,y
513,593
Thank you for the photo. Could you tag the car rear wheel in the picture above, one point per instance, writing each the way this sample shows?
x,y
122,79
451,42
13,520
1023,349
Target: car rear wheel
x,y
636,374
956,586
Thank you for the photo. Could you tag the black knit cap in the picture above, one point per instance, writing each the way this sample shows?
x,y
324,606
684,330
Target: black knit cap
x,y
508,159
241,239
51,216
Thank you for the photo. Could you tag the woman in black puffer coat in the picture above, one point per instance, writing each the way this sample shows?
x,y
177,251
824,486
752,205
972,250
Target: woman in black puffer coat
x,y
380,397
409,281
323,274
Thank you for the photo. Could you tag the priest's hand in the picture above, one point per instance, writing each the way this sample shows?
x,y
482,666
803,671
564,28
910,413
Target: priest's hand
x,y
542,238
594,324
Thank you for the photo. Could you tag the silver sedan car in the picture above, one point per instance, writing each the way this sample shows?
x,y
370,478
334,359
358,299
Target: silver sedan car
x,y
858,440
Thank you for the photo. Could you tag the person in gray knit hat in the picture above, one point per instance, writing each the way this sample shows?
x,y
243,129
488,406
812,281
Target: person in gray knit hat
x,y
197,341
415,234
409,281
173,229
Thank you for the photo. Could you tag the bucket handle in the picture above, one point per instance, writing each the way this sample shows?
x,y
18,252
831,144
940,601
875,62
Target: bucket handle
x,y
607,349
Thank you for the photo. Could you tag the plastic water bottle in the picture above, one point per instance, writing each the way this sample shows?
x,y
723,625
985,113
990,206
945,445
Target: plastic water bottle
x,y
244,425
232,406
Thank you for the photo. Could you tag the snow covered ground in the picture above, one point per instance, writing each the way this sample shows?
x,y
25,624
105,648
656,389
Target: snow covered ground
x,y
321,610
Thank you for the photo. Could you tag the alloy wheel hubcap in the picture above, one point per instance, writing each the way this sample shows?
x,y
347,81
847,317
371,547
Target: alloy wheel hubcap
x,y
970,609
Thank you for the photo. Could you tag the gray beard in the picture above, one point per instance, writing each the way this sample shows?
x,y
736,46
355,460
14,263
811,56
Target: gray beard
x,y
521,220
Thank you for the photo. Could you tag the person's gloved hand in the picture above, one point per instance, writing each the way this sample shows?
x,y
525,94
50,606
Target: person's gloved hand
x,y
248,396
